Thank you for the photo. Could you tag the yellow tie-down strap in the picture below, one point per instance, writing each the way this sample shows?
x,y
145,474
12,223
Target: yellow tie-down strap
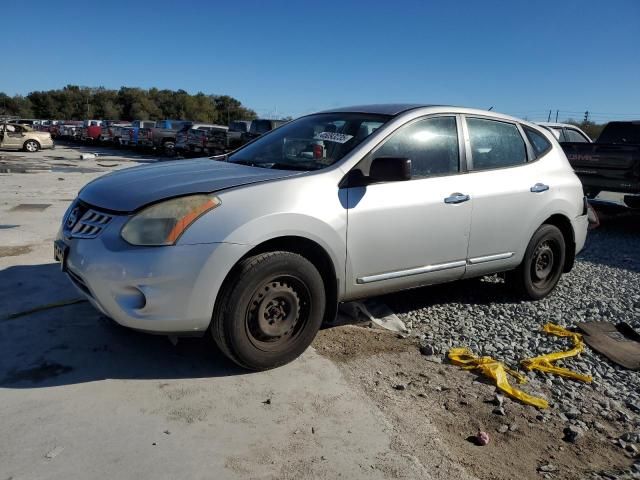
x,y
497,371
543,362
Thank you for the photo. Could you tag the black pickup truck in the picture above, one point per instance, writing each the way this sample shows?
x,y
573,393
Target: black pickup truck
x,y
611,163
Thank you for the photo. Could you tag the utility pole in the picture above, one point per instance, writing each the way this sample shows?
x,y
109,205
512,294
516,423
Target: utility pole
x,y
549,116
557,115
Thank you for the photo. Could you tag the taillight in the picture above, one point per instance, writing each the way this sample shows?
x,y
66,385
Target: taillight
x,y
318,151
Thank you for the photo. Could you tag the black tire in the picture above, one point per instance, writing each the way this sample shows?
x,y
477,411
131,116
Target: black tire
x,y
542,266
169,148
269,310
31,146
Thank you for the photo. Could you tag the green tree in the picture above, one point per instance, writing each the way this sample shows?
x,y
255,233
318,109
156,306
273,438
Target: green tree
x,y
74,102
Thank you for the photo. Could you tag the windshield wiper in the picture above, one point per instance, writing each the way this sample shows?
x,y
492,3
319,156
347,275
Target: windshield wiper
x,y
293,166
249,163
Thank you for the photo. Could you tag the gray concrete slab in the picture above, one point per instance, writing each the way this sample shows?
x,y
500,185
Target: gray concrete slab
x,y
81,397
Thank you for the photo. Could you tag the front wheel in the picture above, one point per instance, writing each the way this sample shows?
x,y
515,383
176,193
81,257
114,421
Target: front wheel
x,y
542,266
169,148
269,310
31,146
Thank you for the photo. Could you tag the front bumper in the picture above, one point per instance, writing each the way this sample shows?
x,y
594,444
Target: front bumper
x,y
46,143
156,289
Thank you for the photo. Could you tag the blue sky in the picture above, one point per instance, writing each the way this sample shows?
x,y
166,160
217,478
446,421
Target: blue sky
x,y
523,57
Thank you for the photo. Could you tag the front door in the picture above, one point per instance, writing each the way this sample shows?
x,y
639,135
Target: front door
x,y
416,232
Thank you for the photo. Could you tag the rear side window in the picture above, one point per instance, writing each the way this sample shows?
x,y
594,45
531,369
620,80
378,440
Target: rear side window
x,y
620,132
495,144
574,136
538,141
431,144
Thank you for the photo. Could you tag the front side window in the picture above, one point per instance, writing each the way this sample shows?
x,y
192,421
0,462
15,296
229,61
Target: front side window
x,y
309,143
431,144
495,144
574,136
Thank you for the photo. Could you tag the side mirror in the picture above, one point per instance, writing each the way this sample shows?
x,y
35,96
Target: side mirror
x,y
390,169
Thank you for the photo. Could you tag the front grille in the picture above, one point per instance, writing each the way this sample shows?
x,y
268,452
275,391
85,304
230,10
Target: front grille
x,y
90,224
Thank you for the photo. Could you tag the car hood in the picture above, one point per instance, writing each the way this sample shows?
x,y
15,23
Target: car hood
x,y
132,188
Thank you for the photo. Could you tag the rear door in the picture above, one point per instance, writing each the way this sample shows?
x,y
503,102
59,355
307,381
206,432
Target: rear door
x,y
508,193
408,233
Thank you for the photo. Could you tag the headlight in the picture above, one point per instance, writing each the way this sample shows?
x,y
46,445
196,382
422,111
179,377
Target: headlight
x,y
163,223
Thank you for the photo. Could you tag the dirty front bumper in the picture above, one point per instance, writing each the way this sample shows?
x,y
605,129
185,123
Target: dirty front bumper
x,y
157,289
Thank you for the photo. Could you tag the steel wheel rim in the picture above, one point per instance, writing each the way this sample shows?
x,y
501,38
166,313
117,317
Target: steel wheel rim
x,y
277,313
544,263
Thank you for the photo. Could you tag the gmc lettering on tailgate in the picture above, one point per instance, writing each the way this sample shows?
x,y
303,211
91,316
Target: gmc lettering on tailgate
x,y
578,157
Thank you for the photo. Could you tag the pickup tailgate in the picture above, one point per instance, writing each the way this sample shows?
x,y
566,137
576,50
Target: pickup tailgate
x,y
601,166
601,155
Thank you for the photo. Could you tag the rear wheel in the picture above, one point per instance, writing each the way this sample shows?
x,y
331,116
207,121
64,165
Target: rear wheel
x,y
31,146
269,310
542,266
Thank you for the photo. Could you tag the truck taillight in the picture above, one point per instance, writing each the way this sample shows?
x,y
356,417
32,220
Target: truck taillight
x,y
318,151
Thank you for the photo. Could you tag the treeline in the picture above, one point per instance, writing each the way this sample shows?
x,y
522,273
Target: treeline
x,y
78,103
590,128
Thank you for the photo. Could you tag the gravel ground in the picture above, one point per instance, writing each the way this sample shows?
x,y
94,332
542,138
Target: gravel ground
x,y
482,315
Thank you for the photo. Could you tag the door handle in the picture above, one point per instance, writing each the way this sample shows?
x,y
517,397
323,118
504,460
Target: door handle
x,y
457,198
539,187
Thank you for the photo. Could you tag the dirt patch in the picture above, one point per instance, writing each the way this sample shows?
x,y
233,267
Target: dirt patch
x,y
343,343
437,407
14,251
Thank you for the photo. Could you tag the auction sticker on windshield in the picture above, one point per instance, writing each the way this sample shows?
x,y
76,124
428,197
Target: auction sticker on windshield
x,y
333,137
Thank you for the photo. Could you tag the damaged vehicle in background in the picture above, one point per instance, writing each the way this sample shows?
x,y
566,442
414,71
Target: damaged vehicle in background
x,y
258,249
202,139
22,137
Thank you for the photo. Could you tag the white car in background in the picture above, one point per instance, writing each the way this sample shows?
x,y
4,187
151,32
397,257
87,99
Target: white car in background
x,y
565,132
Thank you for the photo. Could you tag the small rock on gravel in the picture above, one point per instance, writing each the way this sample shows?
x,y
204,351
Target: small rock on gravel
x,y
572,433
548,468
631,437
481,439
499,411
427,350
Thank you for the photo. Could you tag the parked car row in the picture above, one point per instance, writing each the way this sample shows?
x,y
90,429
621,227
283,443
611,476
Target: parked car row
x,y
168,137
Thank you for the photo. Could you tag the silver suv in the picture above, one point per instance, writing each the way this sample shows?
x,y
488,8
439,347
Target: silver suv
x,y
260,246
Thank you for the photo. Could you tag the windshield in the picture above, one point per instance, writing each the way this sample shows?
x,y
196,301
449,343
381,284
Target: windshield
x,y
311,142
